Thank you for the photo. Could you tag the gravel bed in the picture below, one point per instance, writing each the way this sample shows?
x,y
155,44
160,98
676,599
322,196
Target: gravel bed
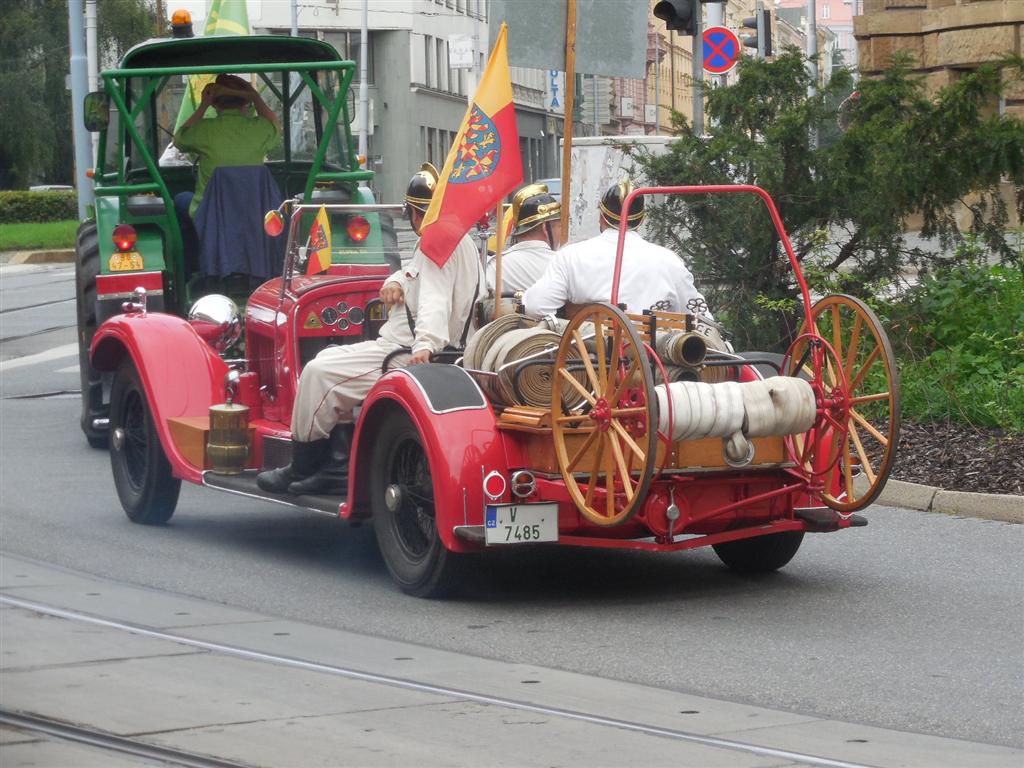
x,y
959,458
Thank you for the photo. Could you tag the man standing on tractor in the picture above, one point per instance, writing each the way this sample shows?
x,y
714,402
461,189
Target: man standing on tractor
x,y
536,235
652,277
232,138
433,307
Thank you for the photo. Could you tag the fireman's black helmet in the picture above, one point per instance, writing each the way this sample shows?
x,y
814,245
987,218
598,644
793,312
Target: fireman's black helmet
x,y
421,188
611,205
532,206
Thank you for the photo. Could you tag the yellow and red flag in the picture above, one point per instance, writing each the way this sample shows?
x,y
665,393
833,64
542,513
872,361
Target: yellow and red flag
x,y
483,165
318,247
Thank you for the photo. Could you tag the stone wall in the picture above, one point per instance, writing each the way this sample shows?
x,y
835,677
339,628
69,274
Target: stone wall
x,y
945,37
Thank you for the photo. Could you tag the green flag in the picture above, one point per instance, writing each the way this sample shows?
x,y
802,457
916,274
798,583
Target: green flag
x,y
227,17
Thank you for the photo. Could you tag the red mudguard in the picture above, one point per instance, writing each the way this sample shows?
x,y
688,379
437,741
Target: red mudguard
x,y
182,375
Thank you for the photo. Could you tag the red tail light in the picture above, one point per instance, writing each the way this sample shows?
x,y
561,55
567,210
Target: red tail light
x,y
124,237
358,228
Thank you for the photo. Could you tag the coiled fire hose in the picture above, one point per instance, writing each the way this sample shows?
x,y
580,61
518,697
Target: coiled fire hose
x,y
511,338
735,412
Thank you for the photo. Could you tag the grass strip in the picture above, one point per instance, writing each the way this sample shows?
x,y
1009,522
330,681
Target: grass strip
x,y
38,236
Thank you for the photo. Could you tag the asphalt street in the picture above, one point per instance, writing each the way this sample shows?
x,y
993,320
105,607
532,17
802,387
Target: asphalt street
x,y
913,623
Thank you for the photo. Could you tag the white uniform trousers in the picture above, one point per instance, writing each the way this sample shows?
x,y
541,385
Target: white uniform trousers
x,y
334,382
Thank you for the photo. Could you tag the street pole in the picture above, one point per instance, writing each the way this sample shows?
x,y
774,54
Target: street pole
x,y
597,129
79,88
295,18
698,69
570,95
812,45
91,53
364,94
476,55
657,82
716,18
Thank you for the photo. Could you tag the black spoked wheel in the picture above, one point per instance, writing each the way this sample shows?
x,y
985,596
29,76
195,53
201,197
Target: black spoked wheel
x,y
142,475
760,554
87,267
404,520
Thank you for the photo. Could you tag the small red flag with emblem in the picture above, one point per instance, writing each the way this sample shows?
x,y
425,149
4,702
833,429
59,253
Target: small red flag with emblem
x,y
318,247
483,165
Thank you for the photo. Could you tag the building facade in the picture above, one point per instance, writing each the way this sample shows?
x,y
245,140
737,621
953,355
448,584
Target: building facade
x,y
945,39
837,17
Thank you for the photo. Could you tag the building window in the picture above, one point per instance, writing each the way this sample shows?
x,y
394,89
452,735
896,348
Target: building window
x,y
826,11
442,64
428,46
432,146
348,45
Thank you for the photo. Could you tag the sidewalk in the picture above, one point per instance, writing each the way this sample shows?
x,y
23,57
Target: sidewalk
x,y
303,695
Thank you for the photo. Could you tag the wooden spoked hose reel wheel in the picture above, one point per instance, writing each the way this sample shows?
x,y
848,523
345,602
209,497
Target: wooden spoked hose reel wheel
x,y
605,439
853,373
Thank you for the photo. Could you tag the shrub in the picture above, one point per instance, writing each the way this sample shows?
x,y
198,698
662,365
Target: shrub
x,y
959,337
18,207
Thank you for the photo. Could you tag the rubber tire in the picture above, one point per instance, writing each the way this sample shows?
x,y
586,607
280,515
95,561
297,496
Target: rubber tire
x,y
760,554
434,573
93,383
148,498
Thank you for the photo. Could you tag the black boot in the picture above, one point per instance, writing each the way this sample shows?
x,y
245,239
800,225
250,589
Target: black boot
x,y
306,459
330,479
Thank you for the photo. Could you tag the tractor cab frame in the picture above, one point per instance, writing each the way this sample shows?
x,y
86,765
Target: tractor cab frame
x,y
133,238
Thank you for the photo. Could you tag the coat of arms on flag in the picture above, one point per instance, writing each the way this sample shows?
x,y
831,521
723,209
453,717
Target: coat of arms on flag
x,y
479,151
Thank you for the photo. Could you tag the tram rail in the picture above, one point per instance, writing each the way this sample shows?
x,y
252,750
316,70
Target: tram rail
x,y
407,683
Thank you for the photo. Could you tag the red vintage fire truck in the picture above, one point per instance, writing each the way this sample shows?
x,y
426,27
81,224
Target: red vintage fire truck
x,y
605,430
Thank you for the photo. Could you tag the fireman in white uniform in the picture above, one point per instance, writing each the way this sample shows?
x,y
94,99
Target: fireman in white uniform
x,y
652,277
431,309
536,235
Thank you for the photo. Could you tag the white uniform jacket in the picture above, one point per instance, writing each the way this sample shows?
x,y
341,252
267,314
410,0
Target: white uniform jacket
x,y
522,265
652,277
440,299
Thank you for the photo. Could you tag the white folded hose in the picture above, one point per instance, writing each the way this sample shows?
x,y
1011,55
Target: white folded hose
x,y
781,405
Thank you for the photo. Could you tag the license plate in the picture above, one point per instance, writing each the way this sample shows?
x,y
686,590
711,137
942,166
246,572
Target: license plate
x,y
520,523
124,262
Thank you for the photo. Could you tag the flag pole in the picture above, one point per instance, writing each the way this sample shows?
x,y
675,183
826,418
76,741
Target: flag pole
x,y
570,93
499,241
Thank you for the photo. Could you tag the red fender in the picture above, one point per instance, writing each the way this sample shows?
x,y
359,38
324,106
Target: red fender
x,y
462,446
181,374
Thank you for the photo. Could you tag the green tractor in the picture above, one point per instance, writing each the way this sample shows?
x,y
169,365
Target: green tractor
x,y
134,240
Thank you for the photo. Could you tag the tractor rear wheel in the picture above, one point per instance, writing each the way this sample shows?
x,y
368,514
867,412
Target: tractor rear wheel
x,y
142,475
87,267
404,517
760,554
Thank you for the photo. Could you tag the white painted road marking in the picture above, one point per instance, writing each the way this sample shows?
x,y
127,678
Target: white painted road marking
x,y
65,350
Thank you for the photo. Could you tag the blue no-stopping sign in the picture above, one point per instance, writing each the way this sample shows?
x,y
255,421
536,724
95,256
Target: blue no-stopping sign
x,y
721,50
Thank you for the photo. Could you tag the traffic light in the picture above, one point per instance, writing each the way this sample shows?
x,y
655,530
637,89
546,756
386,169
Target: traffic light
x,y
678,15
762,41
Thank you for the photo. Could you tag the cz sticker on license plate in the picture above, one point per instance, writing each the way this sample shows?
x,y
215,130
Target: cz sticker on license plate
x,y
520,523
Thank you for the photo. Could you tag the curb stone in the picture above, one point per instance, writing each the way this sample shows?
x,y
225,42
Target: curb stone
x,y
987,506
61,256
